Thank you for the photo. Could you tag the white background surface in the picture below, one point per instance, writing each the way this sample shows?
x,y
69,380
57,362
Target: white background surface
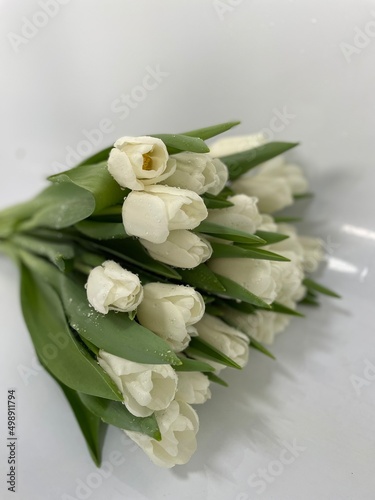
x,y
256,57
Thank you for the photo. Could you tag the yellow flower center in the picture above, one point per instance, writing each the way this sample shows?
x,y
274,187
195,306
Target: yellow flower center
x,y
147,162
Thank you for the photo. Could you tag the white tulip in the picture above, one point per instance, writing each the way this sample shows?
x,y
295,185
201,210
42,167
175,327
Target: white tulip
x,y
291,244
277,167
267,223
170,311
288,277
178,426
181,249
151,214
273,193
236,144
312,253
254,275
243,215
136,162
145,388
198,172
110,287
193,388
260,325
223,337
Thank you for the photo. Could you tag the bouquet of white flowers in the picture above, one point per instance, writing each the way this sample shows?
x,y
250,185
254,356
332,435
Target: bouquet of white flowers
x,y
152,266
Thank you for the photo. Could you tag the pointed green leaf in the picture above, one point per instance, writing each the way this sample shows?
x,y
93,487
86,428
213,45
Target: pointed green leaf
x,y
208,132
115,413
178,142
113,332
287,219
313,285
238,292
303,196
102,230
218,380
99,157
281,309
221,250
259,347
96,180
270,237
193,365
216,202
64,356
203,278
205,350
239,163
228,233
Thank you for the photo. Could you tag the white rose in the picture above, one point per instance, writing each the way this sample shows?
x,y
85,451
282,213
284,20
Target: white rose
x,y
198,172
261,325
226,339
312,253
151,214
181,249
110,287
252,274
135,162
178,426
273,193
170,311
243,215
145,388
193,388
236,144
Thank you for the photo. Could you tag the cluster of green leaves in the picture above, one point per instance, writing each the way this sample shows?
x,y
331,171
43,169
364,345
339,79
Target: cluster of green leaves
x,y
76,224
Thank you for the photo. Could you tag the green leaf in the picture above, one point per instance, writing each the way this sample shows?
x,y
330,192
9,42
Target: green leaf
x,y
116,414
239,163
259,347
205,350
178,142
228,233
99,157
132,251
215,378
221,250
313,285
102,230
60,254
64,356
214,310
303,196
270,237
96,180
113,332
90,425
208,132
286,219
59,206
243,307
203,278
238,292
216,201
281,309
193,365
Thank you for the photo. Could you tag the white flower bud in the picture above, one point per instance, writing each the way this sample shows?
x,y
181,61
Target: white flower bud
x,y
193,388
178,426
243,215
312,253
198,172
145,388
288,277
135,162
226,339
110,287
236,144
181,249
277,167
170,311
252,274
151,214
